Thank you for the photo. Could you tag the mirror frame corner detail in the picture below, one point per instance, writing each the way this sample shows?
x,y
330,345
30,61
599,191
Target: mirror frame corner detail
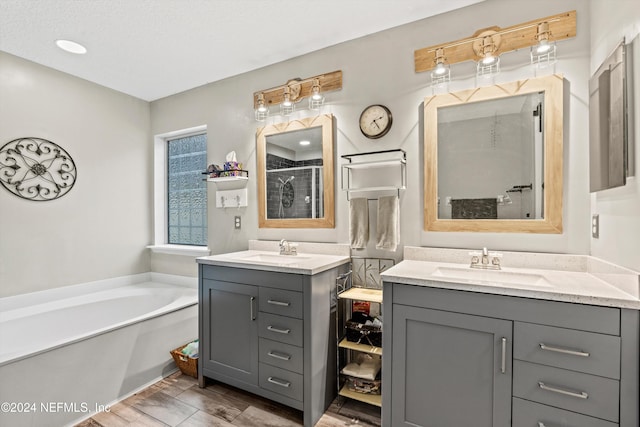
x,y
326,122
551,223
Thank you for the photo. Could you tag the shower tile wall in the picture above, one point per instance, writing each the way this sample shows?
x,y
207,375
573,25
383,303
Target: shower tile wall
x,y
302,187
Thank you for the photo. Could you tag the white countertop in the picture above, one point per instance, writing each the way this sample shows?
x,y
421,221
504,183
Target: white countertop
x,y
303,263
584,280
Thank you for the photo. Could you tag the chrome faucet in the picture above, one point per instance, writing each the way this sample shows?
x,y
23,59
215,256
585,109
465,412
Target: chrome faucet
x,y
485,260
287,249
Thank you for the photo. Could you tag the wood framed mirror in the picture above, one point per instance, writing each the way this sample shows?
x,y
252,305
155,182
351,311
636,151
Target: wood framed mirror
x,y
493,158
296,174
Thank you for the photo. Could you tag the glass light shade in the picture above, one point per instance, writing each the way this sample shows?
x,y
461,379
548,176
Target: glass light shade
x,y
316,101
543,54
440,75
488,68
261,113
287,108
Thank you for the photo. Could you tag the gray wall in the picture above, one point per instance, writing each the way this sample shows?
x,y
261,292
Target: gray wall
x,y
99,229
379,69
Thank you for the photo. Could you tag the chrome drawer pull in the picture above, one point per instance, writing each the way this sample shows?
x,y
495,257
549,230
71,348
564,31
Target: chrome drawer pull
x,y
280,303
279,382
503,364
280,356
579,395
580,353
279,331
252,313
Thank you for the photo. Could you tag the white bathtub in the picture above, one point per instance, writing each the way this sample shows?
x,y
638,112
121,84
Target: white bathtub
x,y
67,353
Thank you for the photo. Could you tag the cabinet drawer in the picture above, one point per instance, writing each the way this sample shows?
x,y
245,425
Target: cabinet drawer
x,y
280,301
280,328
247,276
574,391
587,352
285,356
531,414
281,381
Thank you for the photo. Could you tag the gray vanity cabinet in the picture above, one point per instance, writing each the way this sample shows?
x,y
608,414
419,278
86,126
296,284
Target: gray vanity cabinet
x,y
463,358
458,369
231,350
270,333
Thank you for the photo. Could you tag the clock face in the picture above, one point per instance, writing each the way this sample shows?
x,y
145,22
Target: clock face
x,y
375,121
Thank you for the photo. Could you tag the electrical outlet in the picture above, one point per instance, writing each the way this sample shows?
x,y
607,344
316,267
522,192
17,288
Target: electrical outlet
x,y
595,226
237,222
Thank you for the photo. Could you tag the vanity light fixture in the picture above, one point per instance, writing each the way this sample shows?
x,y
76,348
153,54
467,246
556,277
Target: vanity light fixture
x,y
295,90
305,142
261,111
544,53
71,46
486,45
316,100
287,107
441,74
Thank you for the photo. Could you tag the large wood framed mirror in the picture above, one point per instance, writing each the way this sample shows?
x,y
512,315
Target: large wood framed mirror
x,y
493,158
295,174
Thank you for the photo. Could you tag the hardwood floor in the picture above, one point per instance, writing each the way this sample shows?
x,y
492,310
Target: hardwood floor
x,y
178,401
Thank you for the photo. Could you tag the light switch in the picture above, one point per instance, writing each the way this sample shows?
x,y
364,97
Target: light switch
x,y
595,226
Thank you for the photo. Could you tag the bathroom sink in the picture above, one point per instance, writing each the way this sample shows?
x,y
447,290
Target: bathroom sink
x,y
492,276
274,258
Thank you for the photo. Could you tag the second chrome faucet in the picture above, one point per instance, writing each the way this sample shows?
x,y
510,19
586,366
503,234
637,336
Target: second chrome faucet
x,y
485,260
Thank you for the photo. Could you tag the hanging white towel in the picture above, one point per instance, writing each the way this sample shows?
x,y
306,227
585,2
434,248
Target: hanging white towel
x,y
388,229
358,223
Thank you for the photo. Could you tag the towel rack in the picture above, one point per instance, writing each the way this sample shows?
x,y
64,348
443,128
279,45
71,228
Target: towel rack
x,y
380,171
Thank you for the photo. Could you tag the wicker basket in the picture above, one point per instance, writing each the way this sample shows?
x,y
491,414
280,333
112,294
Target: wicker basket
x,y
188,365
360,385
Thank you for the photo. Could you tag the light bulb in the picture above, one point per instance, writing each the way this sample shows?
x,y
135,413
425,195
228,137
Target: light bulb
x,y
489,59
440,69
543,47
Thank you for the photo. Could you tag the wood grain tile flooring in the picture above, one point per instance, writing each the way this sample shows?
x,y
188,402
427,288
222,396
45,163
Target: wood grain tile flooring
x,y
178,401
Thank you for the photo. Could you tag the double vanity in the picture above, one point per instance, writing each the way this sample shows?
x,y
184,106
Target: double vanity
x,y
546,340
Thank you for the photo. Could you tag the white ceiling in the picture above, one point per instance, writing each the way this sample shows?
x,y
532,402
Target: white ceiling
x,y
155,48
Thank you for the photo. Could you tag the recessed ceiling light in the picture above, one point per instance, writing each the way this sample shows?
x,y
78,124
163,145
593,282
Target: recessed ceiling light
x,y
71,46
305,142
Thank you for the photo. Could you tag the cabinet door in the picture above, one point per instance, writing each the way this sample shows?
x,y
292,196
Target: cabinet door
x,y
450,369
230,344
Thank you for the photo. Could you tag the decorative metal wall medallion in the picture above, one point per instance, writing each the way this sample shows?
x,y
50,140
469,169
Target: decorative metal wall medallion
x,y
36,169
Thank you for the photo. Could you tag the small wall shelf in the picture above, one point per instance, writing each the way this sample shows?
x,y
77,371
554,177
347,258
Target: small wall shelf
x,y
374,173
231,190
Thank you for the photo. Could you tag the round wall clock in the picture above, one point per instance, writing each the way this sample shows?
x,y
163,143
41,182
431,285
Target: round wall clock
x,y
375,121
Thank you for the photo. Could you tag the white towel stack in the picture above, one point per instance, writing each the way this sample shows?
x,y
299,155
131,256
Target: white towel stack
x,y
367,370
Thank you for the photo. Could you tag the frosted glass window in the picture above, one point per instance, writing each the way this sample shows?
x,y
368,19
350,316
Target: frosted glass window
x,y
187,191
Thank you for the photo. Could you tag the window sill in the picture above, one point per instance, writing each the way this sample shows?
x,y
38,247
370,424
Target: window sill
x,y
184,250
